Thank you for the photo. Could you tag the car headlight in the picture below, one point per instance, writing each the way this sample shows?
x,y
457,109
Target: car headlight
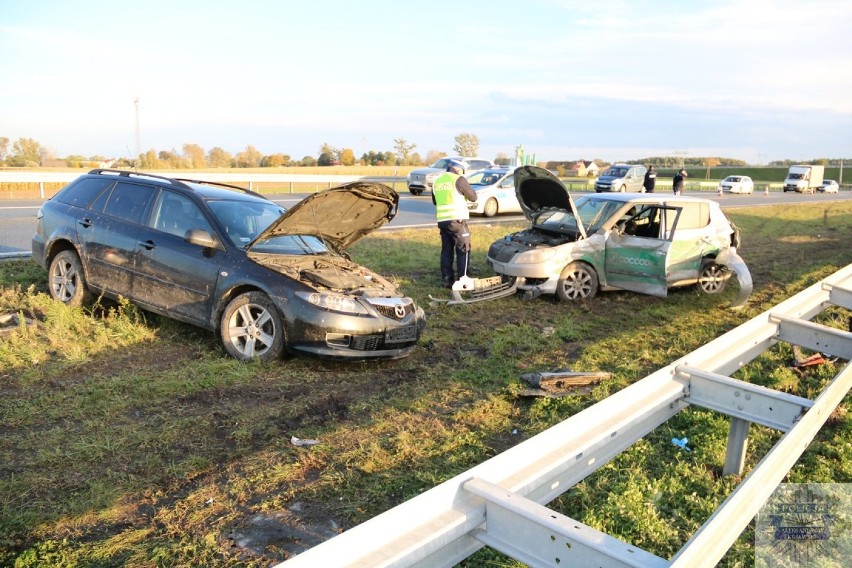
x,y
334,302
535,256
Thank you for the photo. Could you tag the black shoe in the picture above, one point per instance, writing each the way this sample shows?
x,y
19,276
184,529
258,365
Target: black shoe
x,y
446,284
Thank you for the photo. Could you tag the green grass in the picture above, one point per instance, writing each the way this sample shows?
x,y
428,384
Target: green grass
x,y
127,439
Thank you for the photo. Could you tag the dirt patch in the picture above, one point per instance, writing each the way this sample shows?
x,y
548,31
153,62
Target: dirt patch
x,y
285,533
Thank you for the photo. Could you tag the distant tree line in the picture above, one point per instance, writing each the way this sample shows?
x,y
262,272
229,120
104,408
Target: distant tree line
x,y
27,152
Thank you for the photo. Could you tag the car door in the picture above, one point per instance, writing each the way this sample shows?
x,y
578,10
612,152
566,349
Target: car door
x,y
108,233
637,250
174,276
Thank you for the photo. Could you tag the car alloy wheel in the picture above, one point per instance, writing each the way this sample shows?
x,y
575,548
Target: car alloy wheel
x,y
67,281
578,281
490,208
251,327
712,278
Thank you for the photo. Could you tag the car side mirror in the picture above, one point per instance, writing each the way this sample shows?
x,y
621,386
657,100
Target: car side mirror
x,y
201,238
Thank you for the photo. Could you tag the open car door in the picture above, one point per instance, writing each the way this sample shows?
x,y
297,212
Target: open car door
x,y
638,249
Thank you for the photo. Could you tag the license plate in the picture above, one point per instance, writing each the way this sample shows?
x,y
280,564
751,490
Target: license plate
x,y
401,334
489,282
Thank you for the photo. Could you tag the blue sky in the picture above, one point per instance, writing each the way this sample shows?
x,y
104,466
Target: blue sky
x,y
757,80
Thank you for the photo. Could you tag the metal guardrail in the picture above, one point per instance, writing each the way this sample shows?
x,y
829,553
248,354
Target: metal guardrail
x,y
250,179
501,502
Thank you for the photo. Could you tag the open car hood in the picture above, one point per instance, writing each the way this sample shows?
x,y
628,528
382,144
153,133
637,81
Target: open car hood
x,y
340,216
539,190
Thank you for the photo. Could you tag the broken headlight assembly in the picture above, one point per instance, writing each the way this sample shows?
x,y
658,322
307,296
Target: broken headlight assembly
x,y
535,256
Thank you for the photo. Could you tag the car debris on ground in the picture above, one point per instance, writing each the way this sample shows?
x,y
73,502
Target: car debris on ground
x,y
560,382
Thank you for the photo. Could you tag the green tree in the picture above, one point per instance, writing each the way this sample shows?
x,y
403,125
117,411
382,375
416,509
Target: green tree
x,y
274,161
170,159
467,145
150,161
248,158
403,150
27,152
325,159
219,158
309,161
194,155
502,159
433,156
347,157
327,148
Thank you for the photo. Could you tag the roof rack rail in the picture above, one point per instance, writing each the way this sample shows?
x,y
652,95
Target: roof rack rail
x,y
126,173
220,184
180,182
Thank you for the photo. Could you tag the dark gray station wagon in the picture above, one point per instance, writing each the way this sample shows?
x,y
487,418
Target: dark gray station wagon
x,y
227,259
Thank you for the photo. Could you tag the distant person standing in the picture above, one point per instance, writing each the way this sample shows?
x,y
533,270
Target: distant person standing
x,y
450,192
650,180
677,183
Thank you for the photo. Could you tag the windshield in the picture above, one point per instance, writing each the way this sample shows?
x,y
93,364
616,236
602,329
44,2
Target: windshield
x,y
795,176
616,172
294,245
595,212
244,220
733,178
442,163
484,177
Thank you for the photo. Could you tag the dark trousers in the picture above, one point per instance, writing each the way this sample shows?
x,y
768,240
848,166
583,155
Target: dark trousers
x,y
455,242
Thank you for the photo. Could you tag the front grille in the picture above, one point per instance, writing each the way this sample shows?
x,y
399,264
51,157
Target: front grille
x,y
374,342
501,252
389,309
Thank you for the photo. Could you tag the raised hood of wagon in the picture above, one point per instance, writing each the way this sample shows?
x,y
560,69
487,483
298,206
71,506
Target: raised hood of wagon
x,y
340,216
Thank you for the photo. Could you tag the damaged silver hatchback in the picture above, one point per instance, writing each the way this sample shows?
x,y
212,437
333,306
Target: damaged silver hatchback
x,y
645,243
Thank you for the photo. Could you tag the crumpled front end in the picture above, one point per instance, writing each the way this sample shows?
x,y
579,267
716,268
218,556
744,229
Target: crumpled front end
x,y
734,262
346,311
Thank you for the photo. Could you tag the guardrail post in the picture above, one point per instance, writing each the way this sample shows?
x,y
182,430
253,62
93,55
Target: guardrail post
x,y
737,446
41,189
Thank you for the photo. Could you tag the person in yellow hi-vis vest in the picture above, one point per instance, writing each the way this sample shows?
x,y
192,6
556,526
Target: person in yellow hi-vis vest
x,y
450,191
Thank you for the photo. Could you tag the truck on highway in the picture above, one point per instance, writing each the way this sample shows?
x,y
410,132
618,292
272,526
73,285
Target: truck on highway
x,y
803,178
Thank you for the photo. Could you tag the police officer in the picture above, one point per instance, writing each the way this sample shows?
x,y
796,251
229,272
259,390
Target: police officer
x,y
650,180
450,191
677,182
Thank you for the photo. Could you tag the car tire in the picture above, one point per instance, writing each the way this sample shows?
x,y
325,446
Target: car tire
x,y
490,208
622,189
712,278
578,281
66,279
415,191
252,328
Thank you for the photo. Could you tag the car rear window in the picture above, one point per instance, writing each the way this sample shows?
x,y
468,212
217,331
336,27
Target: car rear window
x,y
129,202
692,216
83,191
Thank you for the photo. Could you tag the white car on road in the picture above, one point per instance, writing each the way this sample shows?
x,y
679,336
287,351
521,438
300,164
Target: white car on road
x,y
736,184
829,186
495,192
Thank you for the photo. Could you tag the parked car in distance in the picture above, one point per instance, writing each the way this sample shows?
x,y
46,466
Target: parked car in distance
x,y
829,186
621,177
644,243
421,179
495,191
736,184
268,280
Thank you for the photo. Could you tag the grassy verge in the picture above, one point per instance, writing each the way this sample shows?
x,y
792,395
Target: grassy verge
x,y
131,440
